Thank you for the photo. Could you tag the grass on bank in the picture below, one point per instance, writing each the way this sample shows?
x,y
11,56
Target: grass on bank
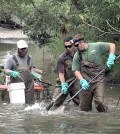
x,y
56,47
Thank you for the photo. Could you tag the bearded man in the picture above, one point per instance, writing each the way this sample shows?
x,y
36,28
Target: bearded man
x,y
20,68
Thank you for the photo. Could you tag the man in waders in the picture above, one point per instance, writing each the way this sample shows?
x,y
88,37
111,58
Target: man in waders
x,y
19,67
65,75
88,61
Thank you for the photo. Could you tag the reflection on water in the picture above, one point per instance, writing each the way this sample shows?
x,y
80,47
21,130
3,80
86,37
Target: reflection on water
x,y
34,119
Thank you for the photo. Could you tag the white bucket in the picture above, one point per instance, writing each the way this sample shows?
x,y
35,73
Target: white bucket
x,y
16,92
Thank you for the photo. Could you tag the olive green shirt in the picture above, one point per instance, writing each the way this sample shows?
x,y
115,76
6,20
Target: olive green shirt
x,y
95,53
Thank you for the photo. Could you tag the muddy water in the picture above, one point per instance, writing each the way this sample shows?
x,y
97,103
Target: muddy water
x,y
21,119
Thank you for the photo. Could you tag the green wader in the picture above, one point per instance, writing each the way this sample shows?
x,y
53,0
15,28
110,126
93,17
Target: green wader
x,y
96,91
69,76
28,81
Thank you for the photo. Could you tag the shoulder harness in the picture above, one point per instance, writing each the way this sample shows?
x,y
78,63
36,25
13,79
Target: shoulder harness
x,y
17,63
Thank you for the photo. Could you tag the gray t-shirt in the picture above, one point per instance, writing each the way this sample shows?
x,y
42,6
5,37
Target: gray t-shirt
x,y
11,64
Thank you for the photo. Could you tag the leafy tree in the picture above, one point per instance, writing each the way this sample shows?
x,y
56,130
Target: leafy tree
x,y
43,19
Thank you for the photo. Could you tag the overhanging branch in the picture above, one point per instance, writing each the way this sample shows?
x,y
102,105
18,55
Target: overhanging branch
x,y
102,31
112,27
36,7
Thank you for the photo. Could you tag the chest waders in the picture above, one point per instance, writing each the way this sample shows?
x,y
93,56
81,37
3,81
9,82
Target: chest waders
x,y
28,79
96,91
69,76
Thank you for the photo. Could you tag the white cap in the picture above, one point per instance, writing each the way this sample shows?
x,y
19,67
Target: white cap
x,y
22,44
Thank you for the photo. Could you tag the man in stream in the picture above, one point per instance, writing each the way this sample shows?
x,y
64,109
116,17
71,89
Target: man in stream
x,y
20,68
65,75
88,61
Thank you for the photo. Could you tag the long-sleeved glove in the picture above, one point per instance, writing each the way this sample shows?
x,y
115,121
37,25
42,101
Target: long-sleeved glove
x,y
14,74
110,61
37,76
64,86
85,85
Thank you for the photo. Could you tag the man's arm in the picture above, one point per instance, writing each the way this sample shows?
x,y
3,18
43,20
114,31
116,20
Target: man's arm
x,y
14,74
6,71
111,58
112,48
61,69
37,70
76,68
8,67
78,75
61,77
61,74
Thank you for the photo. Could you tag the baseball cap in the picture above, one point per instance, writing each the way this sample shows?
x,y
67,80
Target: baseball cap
x,y
22,44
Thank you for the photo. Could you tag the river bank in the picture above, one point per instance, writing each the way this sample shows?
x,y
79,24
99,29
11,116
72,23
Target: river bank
x,y
11,36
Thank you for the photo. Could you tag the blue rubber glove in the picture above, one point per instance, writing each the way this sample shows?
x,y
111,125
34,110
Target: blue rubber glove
x,y
14,74
110,61
37,76
85,85
64,86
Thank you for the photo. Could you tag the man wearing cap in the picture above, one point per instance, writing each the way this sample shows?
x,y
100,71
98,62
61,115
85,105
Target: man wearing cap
x,y
19,67
88,61
65,75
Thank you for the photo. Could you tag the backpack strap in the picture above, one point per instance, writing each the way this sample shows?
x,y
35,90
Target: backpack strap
x,y
80,56
28,59
16,61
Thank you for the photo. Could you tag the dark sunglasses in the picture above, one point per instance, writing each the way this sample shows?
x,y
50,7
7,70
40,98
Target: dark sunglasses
x,y
22,49
76,45
68,46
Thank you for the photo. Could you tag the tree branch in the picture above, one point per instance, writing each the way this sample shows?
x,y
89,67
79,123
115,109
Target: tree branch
x,y
112,27
102,32
94,27
36,7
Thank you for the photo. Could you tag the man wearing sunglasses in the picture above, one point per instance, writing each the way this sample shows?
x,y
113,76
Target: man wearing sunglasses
x,y
20,67
65,74
88,61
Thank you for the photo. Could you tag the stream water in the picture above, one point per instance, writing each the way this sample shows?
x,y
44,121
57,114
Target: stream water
x,y
21,119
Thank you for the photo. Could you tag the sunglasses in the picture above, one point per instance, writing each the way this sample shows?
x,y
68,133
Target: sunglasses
x,y
68,46
22,49
76,45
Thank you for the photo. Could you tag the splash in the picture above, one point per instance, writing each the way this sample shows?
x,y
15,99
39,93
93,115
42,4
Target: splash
x,y
42,111
58,111
35,106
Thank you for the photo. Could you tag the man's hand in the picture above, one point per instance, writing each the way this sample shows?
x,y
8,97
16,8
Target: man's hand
x,y
14,74
110,61
36,75
64,86
85,85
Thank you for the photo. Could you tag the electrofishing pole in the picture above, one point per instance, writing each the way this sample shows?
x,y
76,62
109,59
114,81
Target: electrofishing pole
x,y
53,102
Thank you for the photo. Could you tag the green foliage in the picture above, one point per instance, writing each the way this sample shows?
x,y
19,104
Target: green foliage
x,y
103,14
2,75
56,47
99,20
41,19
